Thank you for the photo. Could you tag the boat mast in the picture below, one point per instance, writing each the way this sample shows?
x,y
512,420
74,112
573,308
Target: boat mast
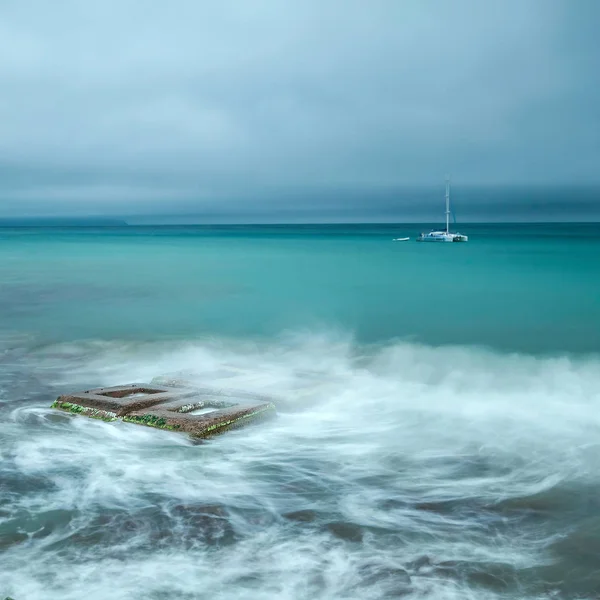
x,y
447,204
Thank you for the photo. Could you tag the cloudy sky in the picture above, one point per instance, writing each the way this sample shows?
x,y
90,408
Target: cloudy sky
x,y
242,107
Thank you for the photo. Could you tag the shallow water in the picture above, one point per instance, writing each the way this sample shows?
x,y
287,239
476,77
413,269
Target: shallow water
x,y
397,467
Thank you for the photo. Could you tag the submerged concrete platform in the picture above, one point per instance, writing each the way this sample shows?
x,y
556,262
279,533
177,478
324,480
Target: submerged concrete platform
x,y
199,412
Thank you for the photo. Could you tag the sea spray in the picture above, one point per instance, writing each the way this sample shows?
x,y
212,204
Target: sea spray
x,y
392,469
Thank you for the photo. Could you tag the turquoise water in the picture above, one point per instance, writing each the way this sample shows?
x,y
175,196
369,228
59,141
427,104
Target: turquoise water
x,y
438,428
529,288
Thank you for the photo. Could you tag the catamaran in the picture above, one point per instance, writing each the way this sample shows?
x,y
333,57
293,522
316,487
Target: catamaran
x,y
438,235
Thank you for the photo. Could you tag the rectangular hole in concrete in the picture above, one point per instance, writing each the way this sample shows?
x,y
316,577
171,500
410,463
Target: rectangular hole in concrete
x,y
203,406
202,411
131,393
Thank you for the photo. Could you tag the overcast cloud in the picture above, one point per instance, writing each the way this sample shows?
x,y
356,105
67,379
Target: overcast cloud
x,y
122,107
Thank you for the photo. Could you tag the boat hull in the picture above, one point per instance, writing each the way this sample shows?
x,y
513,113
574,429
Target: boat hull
x,y
442,237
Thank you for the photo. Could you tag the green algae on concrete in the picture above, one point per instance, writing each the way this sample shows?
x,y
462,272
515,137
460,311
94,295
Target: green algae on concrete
x,y
150,421
93,413
223,425
169,408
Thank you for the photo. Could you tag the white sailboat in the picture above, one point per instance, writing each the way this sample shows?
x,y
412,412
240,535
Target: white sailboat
x,y
438,235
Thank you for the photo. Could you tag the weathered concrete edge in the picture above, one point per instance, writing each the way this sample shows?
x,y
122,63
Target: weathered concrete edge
x,y
164,421
93,413
253,415
158,422
263,412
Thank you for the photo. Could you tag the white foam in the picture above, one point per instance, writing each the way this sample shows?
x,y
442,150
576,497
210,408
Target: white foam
x,y
358,426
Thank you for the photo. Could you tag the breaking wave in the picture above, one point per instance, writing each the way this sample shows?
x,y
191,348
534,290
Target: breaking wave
x,y
391,471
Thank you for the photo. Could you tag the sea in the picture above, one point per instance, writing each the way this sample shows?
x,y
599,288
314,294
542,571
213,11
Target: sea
x,y
438,413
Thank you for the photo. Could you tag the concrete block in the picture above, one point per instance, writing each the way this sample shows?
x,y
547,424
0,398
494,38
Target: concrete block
x,y
198,412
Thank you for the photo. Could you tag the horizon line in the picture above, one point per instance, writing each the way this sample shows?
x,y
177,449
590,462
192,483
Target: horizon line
x,y
124,223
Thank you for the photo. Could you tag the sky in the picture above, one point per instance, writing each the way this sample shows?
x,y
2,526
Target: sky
x,y
294,109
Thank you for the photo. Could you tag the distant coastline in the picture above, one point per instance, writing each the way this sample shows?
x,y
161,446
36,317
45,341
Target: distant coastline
x,y
62,222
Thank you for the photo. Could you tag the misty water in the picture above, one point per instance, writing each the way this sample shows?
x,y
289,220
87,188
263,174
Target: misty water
x,y
437,433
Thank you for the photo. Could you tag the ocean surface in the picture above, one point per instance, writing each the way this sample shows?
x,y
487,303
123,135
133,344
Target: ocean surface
x,y
438,428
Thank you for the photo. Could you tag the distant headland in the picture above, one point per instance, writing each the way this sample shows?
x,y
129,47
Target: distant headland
x,y
62,222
